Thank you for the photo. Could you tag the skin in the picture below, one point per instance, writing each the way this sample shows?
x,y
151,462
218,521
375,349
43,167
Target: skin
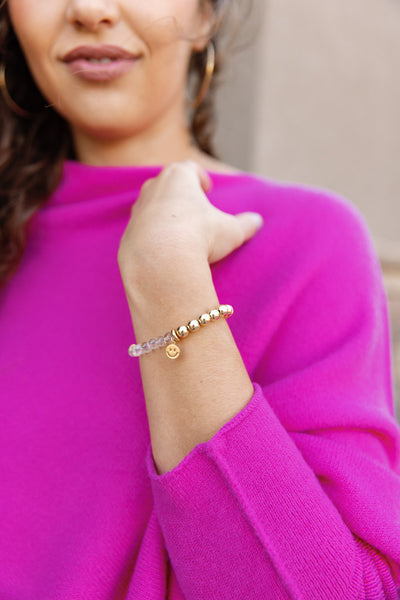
x,y
174,233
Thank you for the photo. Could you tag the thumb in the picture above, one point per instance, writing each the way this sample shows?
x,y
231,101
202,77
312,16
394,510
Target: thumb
x,y
249,223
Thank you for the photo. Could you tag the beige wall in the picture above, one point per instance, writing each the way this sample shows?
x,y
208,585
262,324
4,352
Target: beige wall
x,y
317,100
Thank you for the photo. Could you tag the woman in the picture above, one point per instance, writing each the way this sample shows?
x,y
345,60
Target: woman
x,y
262,461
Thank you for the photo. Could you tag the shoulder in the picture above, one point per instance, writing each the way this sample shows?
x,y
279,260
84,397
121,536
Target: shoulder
x,y
309,205
304,215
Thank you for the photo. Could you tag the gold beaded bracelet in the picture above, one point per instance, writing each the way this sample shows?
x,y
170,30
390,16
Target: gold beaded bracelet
x,y
172,338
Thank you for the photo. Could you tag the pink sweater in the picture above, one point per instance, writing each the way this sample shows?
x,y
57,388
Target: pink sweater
x,y
298,497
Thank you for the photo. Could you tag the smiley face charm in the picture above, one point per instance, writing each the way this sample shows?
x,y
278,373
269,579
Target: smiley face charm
x,y
172,351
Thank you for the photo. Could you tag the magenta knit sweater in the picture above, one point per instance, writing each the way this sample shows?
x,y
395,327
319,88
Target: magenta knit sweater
x,y
298,497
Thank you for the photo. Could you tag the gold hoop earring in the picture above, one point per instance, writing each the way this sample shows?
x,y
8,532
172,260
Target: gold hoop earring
x,y
208,75
12,105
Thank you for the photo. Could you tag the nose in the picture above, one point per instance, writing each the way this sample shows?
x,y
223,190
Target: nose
x,y
92,14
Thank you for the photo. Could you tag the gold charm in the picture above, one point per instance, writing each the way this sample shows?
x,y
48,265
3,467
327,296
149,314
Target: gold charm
x,y
172,351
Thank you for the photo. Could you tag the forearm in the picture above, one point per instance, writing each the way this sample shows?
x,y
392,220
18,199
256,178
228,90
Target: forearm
x,y
189,399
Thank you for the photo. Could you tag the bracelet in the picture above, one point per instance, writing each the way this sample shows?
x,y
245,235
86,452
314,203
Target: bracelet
x,y
172,338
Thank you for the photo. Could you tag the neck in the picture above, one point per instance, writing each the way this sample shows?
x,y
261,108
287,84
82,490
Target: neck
x,y
162,144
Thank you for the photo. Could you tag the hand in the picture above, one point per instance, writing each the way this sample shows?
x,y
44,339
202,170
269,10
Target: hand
x,y
173,220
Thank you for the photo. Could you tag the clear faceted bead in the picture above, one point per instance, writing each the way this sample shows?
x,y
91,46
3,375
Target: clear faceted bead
x,y
161,342
145,348
168,338
153,343
134,350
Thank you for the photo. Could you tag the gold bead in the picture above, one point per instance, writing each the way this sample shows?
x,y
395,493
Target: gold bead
x,y
193,325
204,319
172,351
225,310
175,336
214,314
182,331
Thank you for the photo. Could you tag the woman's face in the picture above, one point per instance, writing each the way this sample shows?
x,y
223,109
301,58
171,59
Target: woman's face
x,y
112,67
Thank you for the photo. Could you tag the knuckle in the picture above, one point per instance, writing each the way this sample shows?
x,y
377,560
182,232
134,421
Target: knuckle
x,y
173,168
183,168
147,184
120,256
189,163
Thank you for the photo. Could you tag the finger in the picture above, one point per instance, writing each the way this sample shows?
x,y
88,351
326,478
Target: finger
x,y
204,178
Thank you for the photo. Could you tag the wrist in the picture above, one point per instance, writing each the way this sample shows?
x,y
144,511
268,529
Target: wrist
x,y
153,277
167,295
159,262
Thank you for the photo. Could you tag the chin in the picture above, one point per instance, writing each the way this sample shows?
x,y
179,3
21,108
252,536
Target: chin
x,y
102,127
106,132
112,121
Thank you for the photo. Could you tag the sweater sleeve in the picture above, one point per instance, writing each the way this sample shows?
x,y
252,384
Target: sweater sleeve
x,y
298,496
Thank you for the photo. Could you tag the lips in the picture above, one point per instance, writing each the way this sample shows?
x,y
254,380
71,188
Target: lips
x,y
99,63
99,53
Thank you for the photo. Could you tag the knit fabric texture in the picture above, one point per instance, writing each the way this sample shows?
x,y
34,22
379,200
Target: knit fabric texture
x,y
297,497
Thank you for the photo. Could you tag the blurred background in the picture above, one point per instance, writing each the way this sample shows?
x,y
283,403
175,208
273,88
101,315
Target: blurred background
x,y
314,97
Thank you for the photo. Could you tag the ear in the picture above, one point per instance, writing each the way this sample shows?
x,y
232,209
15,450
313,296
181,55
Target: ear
x,y
206,25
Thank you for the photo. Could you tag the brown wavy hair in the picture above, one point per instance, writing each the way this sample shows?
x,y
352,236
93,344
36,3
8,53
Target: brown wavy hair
x,y
33,149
